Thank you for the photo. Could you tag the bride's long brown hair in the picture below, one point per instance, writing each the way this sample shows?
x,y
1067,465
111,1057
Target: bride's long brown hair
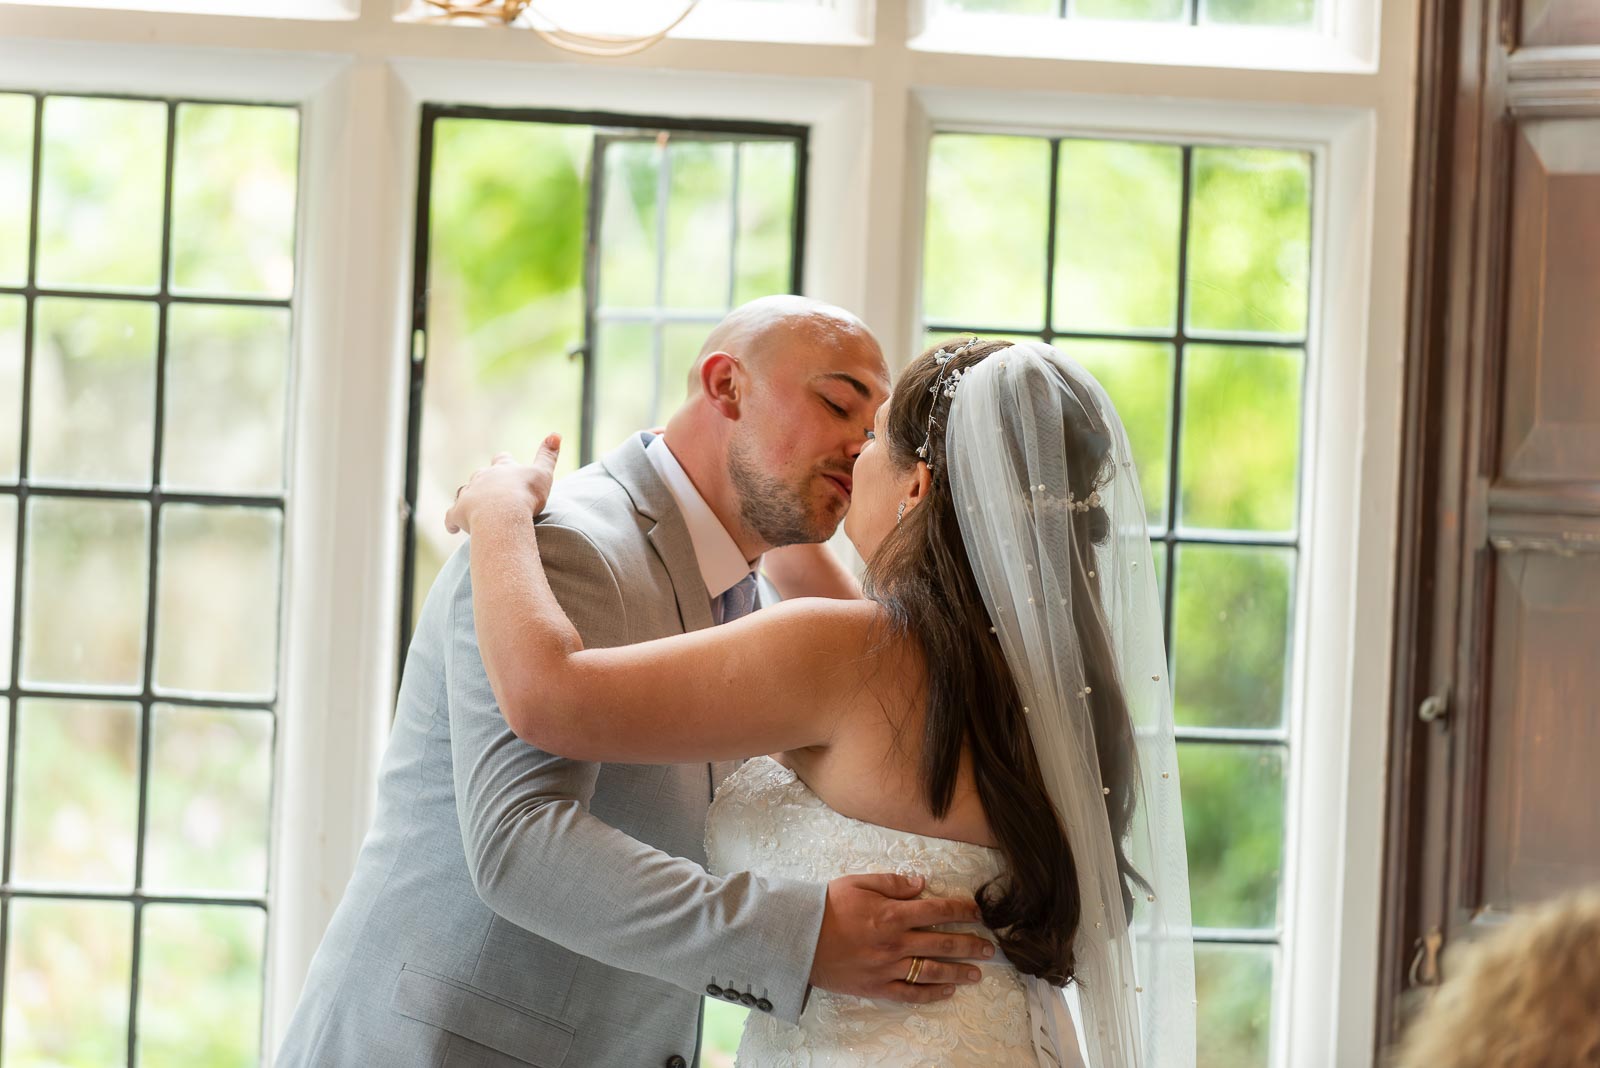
x,y
922,577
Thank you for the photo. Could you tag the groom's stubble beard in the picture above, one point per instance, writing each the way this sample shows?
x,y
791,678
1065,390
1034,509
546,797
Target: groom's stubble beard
x,y
774,510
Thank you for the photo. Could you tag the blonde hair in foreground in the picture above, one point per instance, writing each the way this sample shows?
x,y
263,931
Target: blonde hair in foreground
x,y
1527,996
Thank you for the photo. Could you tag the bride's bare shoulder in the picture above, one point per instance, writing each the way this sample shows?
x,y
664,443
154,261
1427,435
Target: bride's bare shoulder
x,y
829,618
858,630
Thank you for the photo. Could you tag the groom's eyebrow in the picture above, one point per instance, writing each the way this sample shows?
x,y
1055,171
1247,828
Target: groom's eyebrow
x,y
850,380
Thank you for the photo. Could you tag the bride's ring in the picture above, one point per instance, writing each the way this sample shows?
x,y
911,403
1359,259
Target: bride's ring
x,y
916,969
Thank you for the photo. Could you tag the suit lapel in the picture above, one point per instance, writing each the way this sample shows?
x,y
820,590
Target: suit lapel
x,y
669,536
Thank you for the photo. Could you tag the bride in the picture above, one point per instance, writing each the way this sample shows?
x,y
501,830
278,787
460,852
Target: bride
x,y
993,715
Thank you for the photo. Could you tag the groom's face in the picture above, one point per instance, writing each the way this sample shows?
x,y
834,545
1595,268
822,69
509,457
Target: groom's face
x,y
800,433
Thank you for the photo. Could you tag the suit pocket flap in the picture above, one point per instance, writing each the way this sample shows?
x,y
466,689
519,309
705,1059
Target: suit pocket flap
x,y
480,1017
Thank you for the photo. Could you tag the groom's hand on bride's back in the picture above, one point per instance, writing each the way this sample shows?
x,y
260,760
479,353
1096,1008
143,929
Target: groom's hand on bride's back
x,y
872,929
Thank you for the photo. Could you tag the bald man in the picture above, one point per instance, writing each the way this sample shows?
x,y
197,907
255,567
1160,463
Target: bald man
x,y
510,907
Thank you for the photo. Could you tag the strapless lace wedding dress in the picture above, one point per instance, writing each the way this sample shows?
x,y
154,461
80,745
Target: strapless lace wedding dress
x,y
765,820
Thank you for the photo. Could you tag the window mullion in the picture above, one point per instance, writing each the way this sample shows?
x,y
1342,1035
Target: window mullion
x,y
663,209
21,553
152,576
589,344
1175,426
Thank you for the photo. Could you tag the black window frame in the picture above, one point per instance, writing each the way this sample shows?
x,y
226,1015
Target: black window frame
x,y
24,489
609,128
1172,536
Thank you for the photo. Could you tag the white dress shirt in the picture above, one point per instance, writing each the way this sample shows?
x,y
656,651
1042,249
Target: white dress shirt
x,y
722,564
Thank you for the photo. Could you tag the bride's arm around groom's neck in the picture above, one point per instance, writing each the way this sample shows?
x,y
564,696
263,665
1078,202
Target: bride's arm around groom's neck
x,y
811,570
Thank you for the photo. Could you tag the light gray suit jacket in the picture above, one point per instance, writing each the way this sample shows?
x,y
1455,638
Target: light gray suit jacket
x,y
510,907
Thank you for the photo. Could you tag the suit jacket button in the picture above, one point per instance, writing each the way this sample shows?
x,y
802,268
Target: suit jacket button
x,y
764,1005
676,1061
714,990
747,1000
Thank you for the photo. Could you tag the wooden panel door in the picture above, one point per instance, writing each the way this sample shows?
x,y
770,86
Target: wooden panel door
x,y
1559,22
1494,801
1551,418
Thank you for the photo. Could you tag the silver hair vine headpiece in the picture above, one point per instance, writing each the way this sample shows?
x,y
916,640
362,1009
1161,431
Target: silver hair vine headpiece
x,y
941,384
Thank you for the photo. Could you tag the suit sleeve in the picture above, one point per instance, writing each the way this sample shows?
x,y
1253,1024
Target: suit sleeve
x,y
539,859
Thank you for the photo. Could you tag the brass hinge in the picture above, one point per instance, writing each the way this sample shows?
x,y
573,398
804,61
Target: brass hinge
x,y
1424,969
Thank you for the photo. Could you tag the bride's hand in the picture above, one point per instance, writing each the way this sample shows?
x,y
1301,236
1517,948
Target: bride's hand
x,y
506,482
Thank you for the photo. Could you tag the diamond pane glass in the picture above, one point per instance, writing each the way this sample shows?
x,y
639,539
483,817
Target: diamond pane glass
x,y
5,735
1240,455
233,200
625,377
8,578
200,971
680,348
210,800
12,312
701,225
92,406
1118,212
16,185
1004,7
1233,818
84,592
505,304
629,237
984,249
69,967
217,614
227,384
100,194
1233,984
1291,13
77,793
1250,241
1129,10
1231,635
764,250
1137,375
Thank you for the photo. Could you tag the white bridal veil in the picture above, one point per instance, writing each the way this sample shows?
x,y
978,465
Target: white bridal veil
x,y
1054,524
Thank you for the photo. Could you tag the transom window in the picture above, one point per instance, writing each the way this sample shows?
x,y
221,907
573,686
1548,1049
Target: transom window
x,y
147,265
1288,13
1179,276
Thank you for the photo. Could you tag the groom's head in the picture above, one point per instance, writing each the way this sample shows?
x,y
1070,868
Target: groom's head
x,y
780,403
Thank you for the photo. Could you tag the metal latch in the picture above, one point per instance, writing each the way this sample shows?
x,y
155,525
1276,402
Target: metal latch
x,y
1424,970
1434,708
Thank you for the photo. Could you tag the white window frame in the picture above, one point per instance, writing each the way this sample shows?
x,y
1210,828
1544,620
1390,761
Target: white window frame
x,y
1345,39
871,107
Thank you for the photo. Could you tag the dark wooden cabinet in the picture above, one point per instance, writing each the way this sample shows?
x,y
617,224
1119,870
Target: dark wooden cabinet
x,y
1559,22
1494,792
1551,414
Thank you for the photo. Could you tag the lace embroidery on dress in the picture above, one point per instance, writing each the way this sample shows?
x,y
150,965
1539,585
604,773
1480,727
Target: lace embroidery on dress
x,y
765,820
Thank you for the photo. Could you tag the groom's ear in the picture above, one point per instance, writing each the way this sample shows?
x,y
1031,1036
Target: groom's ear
x,y
722,382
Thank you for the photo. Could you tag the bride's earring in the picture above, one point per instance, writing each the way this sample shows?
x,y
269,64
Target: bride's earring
x,y
901,514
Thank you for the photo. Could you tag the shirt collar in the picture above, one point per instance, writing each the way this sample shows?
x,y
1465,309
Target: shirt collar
x,y
722,565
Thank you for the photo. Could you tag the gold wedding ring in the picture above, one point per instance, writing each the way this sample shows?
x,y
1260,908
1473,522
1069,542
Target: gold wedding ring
x,y
916,969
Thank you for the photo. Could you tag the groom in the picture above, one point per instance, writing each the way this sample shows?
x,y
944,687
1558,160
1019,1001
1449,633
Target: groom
x,y
510,907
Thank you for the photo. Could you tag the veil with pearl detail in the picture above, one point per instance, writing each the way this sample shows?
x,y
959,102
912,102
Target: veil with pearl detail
x,y
1054,526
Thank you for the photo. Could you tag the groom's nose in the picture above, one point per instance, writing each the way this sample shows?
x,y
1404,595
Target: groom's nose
x,y
857,443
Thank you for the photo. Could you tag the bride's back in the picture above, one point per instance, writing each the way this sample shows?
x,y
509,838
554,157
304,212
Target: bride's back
x,y
873,770
767,821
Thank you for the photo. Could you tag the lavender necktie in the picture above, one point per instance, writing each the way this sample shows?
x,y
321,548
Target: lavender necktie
x,y
740,600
